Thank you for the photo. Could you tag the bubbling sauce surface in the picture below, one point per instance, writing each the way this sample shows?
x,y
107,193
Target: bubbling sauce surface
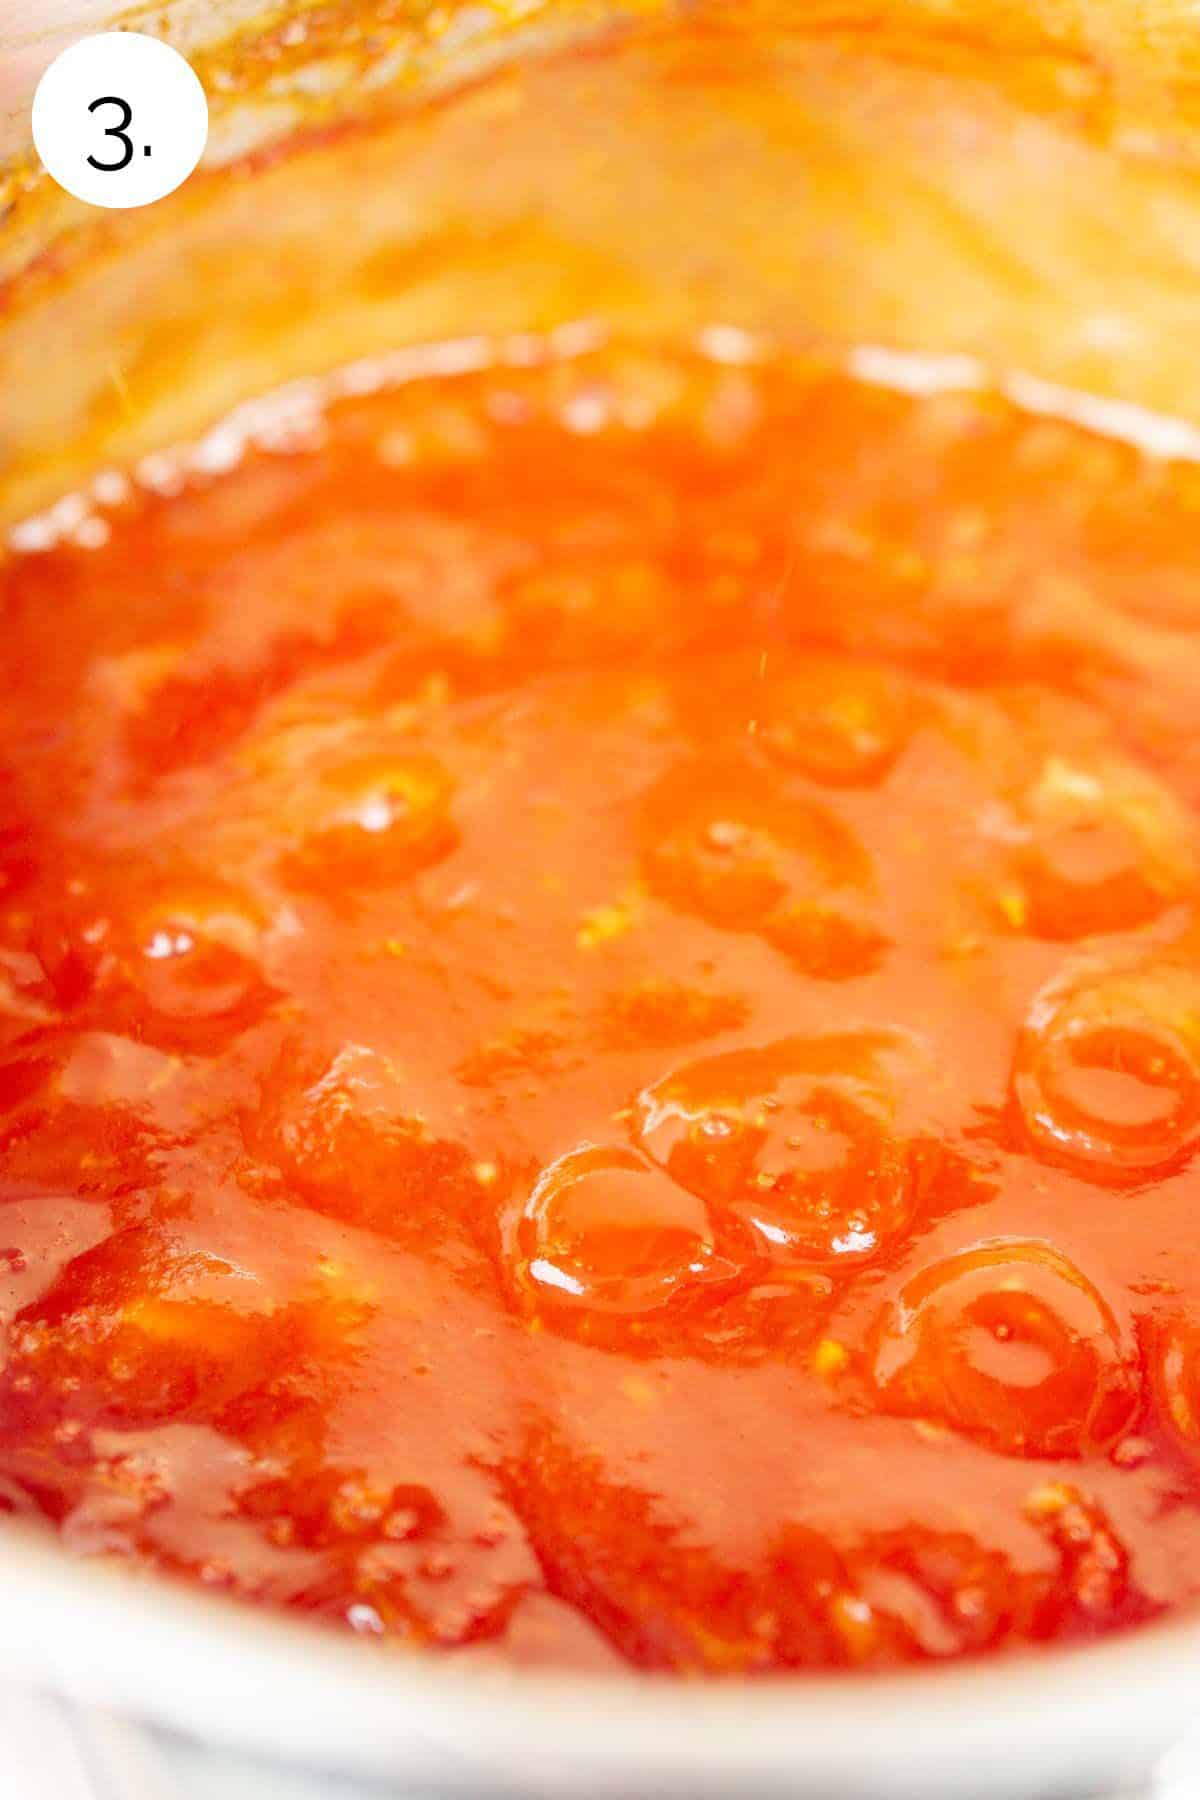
x,y
601,1019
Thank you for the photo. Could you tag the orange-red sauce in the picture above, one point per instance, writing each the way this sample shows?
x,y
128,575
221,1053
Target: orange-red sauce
x,y
601,1012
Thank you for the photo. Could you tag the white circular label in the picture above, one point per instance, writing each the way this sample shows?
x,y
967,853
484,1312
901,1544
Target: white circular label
x,y
120,119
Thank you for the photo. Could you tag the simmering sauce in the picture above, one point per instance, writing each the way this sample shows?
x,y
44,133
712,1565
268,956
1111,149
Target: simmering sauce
x,y
600,987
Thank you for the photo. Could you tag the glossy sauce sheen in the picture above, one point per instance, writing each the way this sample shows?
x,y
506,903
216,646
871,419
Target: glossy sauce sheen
x,y
602,1020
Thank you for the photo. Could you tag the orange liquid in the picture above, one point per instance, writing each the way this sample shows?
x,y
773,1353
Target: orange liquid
x,y
601,1050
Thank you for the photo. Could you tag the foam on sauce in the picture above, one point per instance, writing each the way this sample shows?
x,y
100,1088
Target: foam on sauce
x,y
600,1058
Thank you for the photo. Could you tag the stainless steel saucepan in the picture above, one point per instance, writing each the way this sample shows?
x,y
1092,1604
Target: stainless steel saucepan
x,y
1016,186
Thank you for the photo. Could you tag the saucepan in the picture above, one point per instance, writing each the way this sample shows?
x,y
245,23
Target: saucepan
x,y
979,186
